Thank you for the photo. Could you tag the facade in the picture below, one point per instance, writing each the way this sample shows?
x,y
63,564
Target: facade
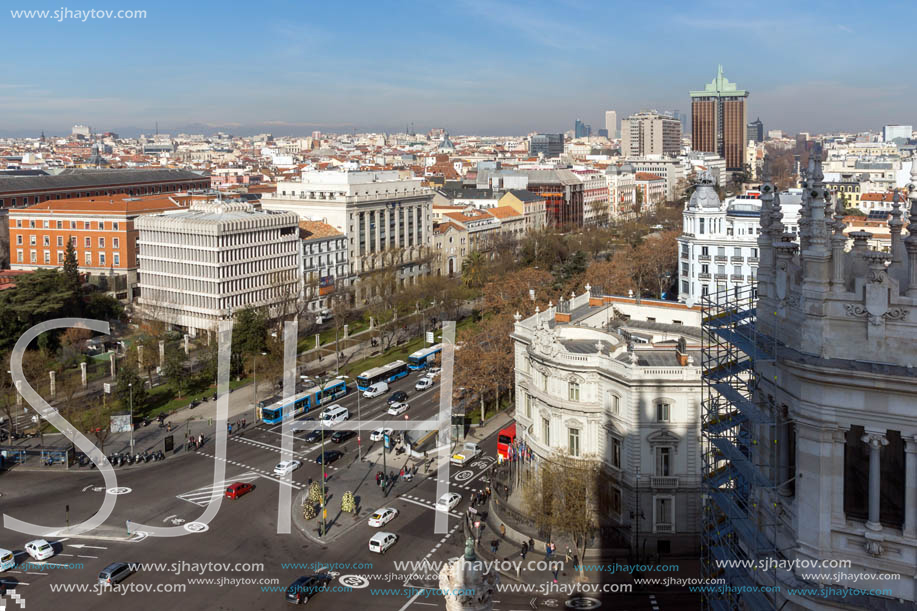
x,y
102,230
386,218
672,169
563,193
547,145
831,460
324,263
718,246
626,393
201,265
595,197
756,131
21,191
450,247
892,132
652,191
531,206
611,124
482,227
581,130
649,133
719,121
622,190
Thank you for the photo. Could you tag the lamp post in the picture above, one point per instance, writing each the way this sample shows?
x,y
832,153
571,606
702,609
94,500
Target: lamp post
x,y
359,419
130,386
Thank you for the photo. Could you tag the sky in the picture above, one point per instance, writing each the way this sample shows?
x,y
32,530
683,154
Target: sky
x,y
488,67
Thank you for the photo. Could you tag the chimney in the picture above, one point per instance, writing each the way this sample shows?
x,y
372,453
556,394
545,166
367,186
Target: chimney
x,y
681,352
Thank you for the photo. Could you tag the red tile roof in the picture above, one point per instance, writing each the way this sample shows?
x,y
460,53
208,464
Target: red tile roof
x,y
647,176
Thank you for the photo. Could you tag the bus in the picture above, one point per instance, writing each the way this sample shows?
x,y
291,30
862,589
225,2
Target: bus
x,y
505,440
385,373
303,402
424,358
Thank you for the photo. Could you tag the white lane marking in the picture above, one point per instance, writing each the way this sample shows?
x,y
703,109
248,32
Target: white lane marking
x,y
202,496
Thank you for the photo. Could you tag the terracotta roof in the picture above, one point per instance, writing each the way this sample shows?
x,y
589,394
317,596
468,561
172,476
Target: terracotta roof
x,y
878,197
504,212
120,203
444,227
647,176
317,230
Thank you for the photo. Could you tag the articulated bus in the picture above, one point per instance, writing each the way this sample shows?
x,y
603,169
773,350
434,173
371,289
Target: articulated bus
x,y
385,373
424,357
505,440
303,402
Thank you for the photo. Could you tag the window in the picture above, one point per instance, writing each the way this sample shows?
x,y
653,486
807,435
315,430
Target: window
x,y
573,391
101,225
614,500
705,251
684,250
101,258
19,239
115,242
19,255
615,452
737,251
528,406
60,256
88,258
87,242
546,431
47,257
700,225
704,289
662,411
662,514
684,269
704,268
73,240
60,240
754,252
101,242
32,240
117,259
60,224
46,240
737,270
721,270
614,403
544,381
33,256
573,442
663,461
18,222
86,225
72,224
114,226
31,223
721,251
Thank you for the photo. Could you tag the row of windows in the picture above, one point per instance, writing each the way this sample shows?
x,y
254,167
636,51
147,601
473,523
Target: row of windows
x,y
177,271
312,247
101,258
46,241
184,298
186,253
86,225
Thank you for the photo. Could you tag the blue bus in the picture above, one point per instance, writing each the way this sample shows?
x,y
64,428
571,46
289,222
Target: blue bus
x,y
424,357
385,373
303,402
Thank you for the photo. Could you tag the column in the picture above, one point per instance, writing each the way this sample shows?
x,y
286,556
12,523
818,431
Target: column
x,y
19,393
51,374
837,488
910,487
382,223
783,451
162,353
140,356
112,357
398,218
346,331
318,341
378,217
83,377
875,441
187,345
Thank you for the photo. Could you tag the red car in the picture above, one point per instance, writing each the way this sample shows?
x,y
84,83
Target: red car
x,y
238,489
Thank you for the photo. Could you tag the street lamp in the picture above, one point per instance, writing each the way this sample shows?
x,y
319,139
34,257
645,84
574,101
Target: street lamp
x,y
130,386
359,419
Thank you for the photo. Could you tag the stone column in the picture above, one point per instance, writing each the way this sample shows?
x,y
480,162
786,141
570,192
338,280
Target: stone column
x,y
19,393
910,487
875,441
398,221
378,229
187,345
52,374
837,489
372,324
346,331
783,451
140,356
162,353
112,357
318,341
83,376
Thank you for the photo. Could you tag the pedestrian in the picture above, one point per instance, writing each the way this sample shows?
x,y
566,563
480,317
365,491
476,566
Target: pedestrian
x,y
525,549
567,556
493,546
502,530
532,544
555,575
553,549
575,561
401,474
547,549
200,440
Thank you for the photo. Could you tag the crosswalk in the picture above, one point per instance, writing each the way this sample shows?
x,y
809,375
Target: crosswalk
x,y
203,496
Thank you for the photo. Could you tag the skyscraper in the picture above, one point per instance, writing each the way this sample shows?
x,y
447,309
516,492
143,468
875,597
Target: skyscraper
x,y
549,145
649,133
579,129
756,131
719,120
611,123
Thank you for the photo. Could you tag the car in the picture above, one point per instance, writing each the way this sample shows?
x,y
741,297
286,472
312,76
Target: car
x,y
116,572
304,588
381,541
342,436
398,396
434,372
448,501
313,436
237,489
328,457
39,549
382,516
286,466
397,409
379,434
423,383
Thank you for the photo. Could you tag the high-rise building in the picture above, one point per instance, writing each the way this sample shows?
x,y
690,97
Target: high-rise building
x,y
611,123
719,120
549,145
580,129
756,131
649,133
890,132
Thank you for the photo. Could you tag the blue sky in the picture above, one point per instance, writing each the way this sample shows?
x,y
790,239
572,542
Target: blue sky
x,y
471,66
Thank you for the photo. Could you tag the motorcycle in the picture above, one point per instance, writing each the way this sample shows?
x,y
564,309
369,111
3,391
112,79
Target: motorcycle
x,y
160,455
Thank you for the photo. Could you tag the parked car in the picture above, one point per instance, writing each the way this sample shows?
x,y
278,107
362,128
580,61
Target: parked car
x,y
379,434
39,549
382,541
342,436
382,516
307,586
116,572
398,397
286,466
237,489
448,501
423,383
397,409
328,457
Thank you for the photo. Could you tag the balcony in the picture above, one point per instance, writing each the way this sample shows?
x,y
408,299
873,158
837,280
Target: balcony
x,y
737,259
704,258
737,278
703,276
719,276
720,258
664,527
752,259
664,481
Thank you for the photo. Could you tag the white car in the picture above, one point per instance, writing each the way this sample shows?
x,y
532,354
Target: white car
x,y
423,383
448,501
397,409
379,434
381,541
382,517
287,466
434,371
39,549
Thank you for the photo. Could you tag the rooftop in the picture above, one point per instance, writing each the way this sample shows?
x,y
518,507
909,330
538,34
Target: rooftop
x,y
76,178
120,204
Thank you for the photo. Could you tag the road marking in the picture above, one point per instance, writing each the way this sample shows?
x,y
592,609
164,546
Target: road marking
x,y
82,545
411,600
94,557
426,505
203,496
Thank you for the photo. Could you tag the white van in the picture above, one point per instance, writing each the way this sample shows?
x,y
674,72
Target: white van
x,y
334,414
382,541
7,560
376,390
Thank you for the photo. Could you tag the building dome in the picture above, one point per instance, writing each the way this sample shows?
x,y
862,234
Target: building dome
x,y
446,144
704,195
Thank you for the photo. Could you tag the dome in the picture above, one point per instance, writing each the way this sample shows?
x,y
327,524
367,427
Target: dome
x,y
704,195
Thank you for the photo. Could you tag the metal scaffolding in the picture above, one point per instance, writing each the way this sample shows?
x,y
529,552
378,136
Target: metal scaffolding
x,y
739,453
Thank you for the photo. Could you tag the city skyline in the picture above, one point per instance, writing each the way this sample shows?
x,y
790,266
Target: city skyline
x,y
464,67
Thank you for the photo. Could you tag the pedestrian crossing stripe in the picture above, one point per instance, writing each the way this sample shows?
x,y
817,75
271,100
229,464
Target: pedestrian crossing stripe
x,y
203,496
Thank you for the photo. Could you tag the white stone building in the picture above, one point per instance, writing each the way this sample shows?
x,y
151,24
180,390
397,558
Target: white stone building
x,y
718,246
201,265
386,218
622,190
627,393
668,167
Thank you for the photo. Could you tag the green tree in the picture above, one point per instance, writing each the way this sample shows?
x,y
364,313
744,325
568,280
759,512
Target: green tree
x,y
249,336
315,492
308,510
175,369
71,267
473,269
348,502
130,387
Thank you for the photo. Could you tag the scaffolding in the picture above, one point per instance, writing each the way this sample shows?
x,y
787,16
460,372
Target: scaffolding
x,y
739,456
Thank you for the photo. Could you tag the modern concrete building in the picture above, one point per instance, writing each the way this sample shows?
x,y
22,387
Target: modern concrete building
x,y
547,145
672,169
611,123
892,132
756,131
617,380
201,265
719,121
649,133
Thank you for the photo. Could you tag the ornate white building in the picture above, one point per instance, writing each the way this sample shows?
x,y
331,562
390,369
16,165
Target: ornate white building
x,y
616,380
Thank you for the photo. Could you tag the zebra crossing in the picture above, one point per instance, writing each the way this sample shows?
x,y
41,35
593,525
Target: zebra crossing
x,y
203,496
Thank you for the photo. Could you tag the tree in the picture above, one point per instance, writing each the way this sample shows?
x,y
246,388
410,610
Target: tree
x,y
249,337
315,492
308,510
130,387
638,201
71,268
97,422
175,369
348,502
473,269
